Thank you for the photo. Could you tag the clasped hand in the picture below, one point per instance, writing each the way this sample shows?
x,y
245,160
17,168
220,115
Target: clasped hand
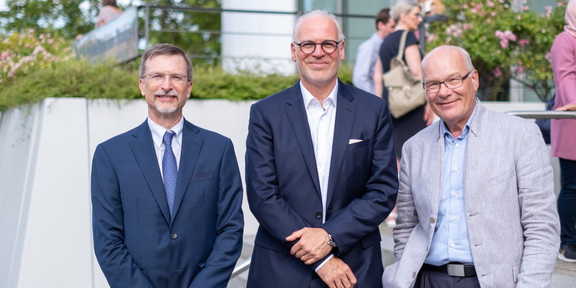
x,y
312,244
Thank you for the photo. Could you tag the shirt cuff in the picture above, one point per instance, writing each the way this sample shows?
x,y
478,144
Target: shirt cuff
x,y
324,262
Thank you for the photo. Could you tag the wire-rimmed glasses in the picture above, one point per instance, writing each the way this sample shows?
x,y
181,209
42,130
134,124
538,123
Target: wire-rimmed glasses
x,y
452,83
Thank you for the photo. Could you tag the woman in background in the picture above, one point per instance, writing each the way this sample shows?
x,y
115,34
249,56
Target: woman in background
x,y
407,17
563,131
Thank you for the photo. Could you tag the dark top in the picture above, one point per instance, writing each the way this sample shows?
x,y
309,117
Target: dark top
x,y
412,122
390,45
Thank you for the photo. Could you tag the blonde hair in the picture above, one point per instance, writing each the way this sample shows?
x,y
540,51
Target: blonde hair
x,y
402,7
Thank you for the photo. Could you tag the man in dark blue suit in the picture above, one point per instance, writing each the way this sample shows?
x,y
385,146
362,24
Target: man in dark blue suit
x,y
320,172
166,195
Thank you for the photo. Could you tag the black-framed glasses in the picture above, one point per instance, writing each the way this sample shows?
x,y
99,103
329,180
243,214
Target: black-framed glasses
x,y
328,46
452,83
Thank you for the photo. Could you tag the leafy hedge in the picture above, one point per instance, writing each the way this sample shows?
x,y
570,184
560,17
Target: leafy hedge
x,y
79,79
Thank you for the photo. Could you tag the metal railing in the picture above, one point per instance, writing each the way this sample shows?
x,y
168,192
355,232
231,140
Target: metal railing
x,y
241,268
547,114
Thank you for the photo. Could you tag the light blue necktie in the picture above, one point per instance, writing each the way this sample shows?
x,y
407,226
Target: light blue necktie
x,y
169,169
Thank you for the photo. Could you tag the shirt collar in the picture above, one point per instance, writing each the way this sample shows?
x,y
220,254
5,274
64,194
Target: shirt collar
x,y
308,97
158,131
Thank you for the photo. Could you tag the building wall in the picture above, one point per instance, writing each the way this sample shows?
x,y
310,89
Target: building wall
x,y
258,42
45,208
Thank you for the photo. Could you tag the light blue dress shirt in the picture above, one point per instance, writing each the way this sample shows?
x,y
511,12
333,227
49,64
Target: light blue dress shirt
x,y
366,57
450,242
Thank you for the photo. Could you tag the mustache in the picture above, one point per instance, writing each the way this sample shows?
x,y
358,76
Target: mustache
x,y
166,93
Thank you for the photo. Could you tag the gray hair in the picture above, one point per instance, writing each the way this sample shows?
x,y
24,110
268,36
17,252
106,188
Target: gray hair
x,y
318,13
457,49
402,7
166,49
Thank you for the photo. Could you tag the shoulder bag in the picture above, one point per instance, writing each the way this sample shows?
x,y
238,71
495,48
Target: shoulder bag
x,y
405,91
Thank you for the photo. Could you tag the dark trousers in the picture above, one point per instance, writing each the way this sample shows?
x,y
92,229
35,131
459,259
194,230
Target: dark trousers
x,y
567,201
433,279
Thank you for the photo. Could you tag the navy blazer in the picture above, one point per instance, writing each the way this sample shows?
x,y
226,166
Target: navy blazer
x,y
137,243
284,193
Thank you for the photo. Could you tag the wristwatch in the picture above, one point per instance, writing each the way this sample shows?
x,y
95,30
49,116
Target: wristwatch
x,y
331,241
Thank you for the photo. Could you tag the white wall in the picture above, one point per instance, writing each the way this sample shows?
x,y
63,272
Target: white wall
x,y
45,159
258,42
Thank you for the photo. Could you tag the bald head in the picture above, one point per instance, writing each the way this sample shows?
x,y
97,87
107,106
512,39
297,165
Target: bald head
x,y
448,52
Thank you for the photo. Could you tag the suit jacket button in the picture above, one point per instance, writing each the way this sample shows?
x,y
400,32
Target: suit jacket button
x,y
174,236
432,220
318,215
413,274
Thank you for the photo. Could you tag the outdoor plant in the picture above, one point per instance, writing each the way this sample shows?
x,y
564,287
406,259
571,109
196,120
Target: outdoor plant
x,y
504,41
22,53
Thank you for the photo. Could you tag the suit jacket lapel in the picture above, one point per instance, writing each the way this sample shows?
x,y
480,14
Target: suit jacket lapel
x,y
345,112
435,168
296,113
191,146
143,148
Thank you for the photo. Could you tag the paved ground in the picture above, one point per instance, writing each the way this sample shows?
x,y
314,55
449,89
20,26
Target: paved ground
x,y
564,273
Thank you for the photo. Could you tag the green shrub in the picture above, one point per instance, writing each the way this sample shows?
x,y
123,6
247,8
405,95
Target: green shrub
x,y
24,53
111,81
504,43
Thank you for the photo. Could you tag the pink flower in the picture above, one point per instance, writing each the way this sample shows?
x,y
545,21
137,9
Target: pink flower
x,y
497,72
523,42
4,55
543,31
490,3
548,11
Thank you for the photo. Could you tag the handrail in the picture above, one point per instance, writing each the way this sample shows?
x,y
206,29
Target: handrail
x,y
547,114
241,268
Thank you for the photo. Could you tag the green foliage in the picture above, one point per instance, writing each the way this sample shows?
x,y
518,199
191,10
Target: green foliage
x,y
79,79
504,43
198,33
72,79
22,53
46,16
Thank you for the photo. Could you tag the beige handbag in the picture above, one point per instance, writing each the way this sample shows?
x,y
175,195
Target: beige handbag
x,y
405,91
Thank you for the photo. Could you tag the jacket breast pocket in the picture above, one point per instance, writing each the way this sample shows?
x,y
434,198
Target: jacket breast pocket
x,y
202,176
358,145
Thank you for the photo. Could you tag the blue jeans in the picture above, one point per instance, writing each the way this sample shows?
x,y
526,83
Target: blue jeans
x,y
567,201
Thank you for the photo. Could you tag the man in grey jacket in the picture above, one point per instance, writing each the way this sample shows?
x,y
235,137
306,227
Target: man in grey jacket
x,y
476,203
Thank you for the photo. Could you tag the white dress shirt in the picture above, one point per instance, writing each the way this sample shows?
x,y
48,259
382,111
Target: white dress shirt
x,y
158,135
321,119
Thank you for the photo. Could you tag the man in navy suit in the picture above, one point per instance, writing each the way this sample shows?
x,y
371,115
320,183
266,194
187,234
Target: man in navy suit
x,y
320,172
144,235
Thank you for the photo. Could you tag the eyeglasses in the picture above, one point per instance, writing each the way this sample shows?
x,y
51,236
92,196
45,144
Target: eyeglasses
x,y
452,83
328,46
160,77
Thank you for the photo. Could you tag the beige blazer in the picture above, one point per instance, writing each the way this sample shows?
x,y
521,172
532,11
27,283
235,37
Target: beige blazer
x,y
510,203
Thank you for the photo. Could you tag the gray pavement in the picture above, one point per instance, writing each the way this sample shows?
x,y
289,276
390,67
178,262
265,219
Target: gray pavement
x,y
564,273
